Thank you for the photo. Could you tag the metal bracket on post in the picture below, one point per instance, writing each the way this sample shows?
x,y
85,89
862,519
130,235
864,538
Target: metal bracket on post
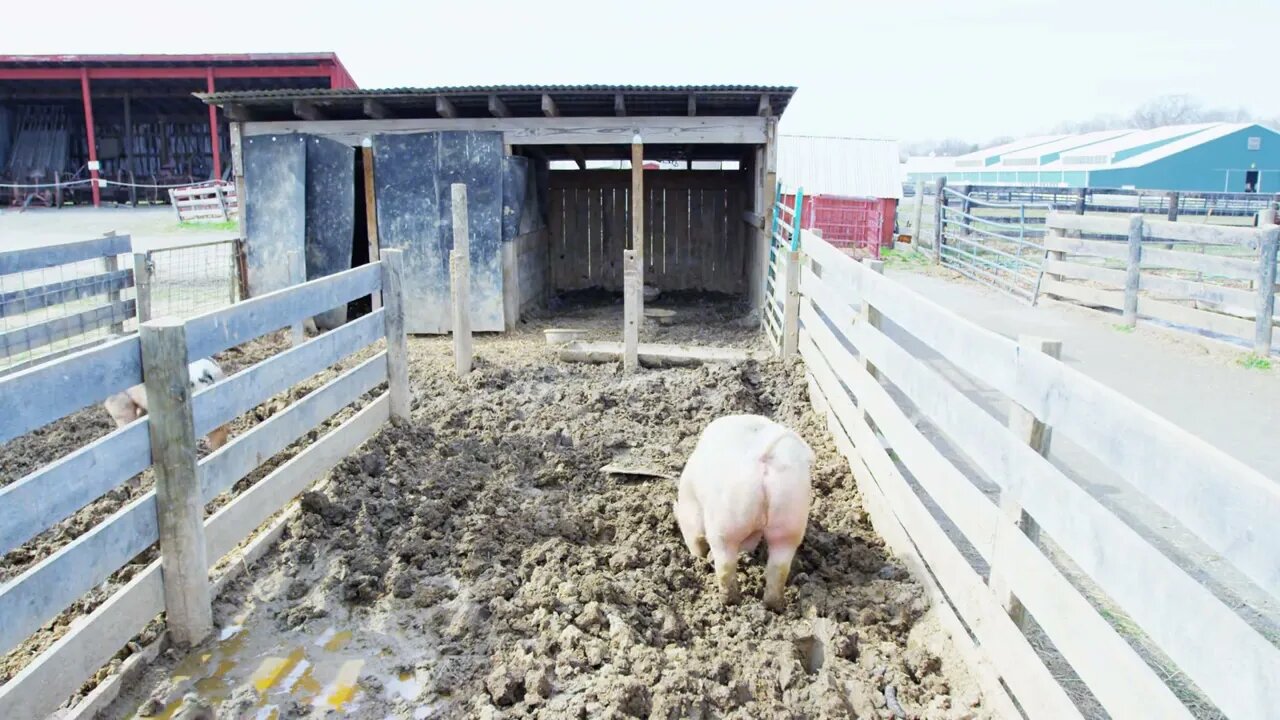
x,y
179,502
1036,434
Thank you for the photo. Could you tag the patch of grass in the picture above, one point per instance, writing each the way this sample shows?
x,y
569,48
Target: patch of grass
x,y
232,225
1254,362
1122,328
904,258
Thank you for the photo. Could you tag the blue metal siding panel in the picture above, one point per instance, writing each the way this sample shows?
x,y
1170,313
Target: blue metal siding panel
x,y
1216,166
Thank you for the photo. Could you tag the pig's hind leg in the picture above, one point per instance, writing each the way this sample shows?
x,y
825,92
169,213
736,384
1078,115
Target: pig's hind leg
x,y
725,557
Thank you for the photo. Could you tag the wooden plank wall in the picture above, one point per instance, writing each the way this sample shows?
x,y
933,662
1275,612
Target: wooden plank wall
x,y
694,236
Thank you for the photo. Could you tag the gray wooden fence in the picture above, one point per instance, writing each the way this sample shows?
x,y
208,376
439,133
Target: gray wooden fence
x,y
1019,537
1203,277
58,299
172,513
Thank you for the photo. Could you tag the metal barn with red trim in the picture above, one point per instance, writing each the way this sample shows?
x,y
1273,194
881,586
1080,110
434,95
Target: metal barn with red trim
x,y
81,128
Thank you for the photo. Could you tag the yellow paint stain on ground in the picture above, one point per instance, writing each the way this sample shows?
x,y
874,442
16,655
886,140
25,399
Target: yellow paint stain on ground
x,y
344,686
274,668
338,641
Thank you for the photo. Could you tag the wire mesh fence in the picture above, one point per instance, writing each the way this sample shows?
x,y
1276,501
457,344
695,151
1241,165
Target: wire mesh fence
x,y
188,280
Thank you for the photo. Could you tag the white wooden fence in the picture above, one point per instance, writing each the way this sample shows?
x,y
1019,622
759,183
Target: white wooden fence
x,y
1206,287
876,393
173,513
214,202
51,305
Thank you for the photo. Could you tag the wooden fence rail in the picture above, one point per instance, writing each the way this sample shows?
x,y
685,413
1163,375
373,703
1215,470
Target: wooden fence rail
x,y
853,323
1143,276
173,512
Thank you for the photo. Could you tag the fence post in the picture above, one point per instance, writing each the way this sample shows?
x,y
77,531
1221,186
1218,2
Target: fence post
x,y
1080,200
966,208
917,232
868,314
241,262
222,201
234,280
1036,434
1133,270
632,288
179,503
142,285
791,306
397,344
112,263
939,203
1266,303
460,282
1173,207
297,276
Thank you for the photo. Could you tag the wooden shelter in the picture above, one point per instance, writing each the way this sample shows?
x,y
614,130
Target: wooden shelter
x,y
343,173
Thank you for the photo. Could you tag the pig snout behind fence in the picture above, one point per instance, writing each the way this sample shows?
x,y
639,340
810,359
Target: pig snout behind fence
x,y
747,479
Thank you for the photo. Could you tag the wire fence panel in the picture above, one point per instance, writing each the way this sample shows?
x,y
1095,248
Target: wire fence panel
x,y
191,279
47,312
998,244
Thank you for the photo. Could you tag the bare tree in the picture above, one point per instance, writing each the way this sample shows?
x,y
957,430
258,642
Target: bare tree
x,y
1178,109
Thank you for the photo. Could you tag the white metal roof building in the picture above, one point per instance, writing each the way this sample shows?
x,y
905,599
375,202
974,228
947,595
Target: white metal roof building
x,y
1205,157
840,166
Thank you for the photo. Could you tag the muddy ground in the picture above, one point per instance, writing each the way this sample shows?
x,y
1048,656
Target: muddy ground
x,y
30,452
477,563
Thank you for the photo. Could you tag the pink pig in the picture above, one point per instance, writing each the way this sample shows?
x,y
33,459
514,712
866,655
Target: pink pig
x,y
748,477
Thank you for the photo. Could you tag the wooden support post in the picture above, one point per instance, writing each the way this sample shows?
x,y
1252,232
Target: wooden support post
x,y
460,282
242,268
370,209
791,306
397,345
179,504
297,276
128,151
234,282
939,202
769,191
1037,435
1081,194
142,285
1173,207
633,264
869,315
1133,271
632,299
917,232
112,264
1266,298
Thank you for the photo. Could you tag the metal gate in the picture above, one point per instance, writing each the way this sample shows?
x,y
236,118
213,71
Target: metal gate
x,y
997,244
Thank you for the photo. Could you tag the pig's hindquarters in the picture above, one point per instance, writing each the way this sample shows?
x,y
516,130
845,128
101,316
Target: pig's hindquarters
x,y
787,494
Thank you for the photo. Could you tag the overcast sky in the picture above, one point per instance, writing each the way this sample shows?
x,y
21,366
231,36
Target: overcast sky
x,y
974,69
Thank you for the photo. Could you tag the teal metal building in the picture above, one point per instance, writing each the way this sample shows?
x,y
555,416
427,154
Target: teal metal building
x,y
1206,157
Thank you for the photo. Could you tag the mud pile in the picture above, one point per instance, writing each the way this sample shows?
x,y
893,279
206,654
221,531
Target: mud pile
x,y
528,583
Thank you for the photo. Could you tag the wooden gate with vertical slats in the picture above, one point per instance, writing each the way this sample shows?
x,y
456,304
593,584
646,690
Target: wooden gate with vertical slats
x,y
693,229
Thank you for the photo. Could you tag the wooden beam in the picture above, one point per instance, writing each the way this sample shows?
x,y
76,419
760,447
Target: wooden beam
x,y
376,109
307,110
693,105
542,130
549,106
460,282
445,108
371,212
575,152
237,113
619,105
397,345
657,355
766,108
497,108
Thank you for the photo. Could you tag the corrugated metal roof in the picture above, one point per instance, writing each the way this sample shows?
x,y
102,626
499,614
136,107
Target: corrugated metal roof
x,y
978,159
848,167
1068,143
520,100
1135,139
1185,143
